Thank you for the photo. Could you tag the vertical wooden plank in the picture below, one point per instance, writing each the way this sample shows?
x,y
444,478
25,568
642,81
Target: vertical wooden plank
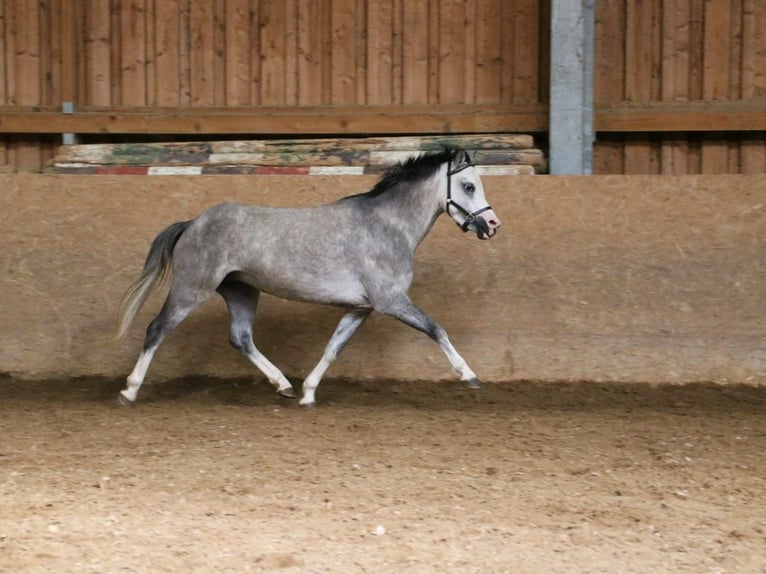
x,y
488,55
150,50
544,50
55,25
735,81
360,52
469,52
6,73
327,52
98,62
184,53
507,51
5,49
753,78
25,20
434,51
715,85
696,65
380,20
49,40
167,65
638,55
255,52
525,50
291,52
115,52
4,77
80,79
312,39
641,23
676,18
416,35
237,52
608,78
397,58
452,72
219,52
26,85
133,52
273,22
696,44
101,53
343,64
202,53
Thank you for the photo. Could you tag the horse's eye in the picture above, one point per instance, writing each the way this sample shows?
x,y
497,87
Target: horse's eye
x,y
469,187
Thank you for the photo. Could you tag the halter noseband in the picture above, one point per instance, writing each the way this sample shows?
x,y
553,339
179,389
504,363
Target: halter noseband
x,y
470,216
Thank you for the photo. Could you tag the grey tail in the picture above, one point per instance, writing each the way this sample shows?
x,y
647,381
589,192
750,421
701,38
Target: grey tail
x,y
157,267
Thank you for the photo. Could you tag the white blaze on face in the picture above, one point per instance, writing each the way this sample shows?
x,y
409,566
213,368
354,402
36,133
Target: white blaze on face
x,y
466,199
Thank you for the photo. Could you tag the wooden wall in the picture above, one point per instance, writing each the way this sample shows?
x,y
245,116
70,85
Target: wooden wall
x,y
681,51
376,54
309,52
266,53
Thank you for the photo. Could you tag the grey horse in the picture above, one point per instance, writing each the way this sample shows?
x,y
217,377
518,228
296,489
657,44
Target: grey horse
x,y
356,253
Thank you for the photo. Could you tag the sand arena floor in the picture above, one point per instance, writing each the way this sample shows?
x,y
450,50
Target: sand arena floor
x,y
224,476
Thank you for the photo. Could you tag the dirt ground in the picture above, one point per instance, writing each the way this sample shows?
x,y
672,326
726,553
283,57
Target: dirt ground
x,y
224,476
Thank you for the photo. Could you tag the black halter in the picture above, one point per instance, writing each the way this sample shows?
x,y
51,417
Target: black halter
x,y
470,216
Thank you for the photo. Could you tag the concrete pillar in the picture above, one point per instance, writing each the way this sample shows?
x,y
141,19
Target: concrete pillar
x,y
571,106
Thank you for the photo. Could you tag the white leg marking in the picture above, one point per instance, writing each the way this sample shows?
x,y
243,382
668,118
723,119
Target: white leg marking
x,y
311,382
347,326
275,376
136,377
458,363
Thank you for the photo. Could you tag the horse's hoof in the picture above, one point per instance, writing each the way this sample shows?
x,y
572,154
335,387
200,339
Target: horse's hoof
x,y
287,392
309,406
125,401
473,384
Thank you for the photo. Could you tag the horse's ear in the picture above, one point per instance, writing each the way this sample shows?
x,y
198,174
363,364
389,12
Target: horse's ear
x,y
462,157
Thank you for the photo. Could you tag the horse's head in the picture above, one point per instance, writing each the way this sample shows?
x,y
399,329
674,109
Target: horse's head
x,y
465,202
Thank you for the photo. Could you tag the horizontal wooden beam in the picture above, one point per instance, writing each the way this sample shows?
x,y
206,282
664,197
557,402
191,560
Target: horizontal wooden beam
x,y
281,120
698,116
693,116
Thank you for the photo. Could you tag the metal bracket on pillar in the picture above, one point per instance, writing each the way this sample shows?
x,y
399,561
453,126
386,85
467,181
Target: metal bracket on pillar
x,y
571,133
68,139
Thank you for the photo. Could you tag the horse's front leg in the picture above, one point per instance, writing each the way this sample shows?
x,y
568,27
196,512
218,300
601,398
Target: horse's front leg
x,y
347,326
402,308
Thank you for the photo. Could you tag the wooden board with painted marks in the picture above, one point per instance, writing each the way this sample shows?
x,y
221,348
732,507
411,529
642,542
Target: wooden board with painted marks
x,y
243,156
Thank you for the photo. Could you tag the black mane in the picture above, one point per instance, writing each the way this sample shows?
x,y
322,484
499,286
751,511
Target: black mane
x,y
413,169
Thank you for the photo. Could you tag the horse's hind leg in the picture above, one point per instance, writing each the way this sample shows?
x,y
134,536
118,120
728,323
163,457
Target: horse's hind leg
x,y
242,300
180,302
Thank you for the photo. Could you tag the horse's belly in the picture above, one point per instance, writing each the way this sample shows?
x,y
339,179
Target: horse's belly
x,y
330,290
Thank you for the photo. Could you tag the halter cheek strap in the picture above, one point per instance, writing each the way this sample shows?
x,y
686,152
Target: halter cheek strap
x,y
470,216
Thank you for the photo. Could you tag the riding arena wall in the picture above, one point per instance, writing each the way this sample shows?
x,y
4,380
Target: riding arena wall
x,y
602,278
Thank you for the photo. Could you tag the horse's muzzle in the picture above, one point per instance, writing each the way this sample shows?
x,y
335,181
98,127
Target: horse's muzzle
x,y
487,225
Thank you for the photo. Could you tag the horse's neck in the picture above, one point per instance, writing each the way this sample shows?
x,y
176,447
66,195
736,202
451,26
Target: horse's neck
x,y
413,209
